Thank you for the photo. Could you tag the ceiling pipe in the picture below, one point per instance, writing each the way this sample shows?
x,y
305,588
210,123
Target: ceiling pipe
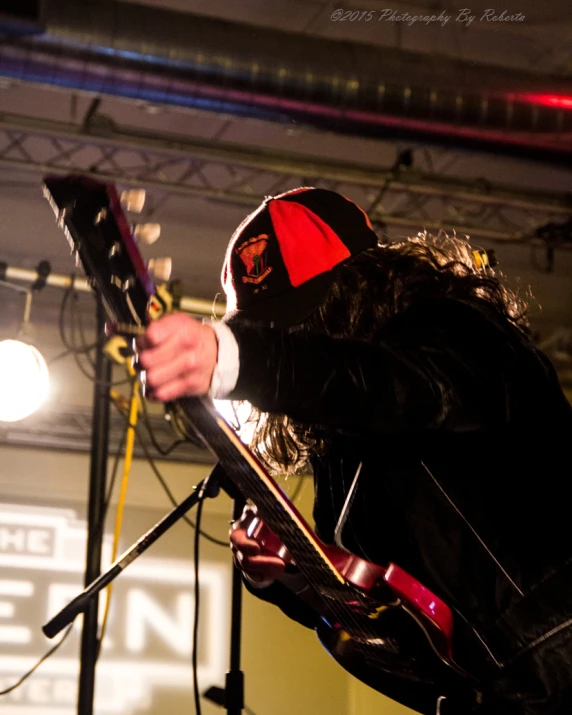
x,y
158,56
188,304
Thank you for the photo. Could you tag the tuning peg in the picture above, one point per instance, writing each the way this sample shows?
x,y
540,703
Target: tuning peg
x,y
147,233
160,268
133,200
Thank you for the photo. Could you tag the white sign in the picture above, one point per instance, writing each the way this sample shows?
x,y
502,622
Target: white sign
x,y
149,641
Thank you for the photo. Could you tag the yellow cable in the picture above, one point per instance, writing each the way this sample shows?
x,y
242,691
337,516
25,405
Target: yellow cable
x,y
129,444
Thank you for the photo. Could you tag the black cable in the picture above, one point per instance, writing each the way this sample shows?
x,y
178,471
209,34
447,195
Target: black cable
x,y
83,349
100,527
61,317
72,347
182,426
65,353
164,451
76,321
196,693
171,497
52,650
69,343
165,486
295,494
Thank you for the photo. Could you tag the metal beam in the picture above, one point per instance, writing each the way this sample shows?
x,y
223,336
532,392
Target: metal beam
x,y
196,306
218,171
288,163
68,429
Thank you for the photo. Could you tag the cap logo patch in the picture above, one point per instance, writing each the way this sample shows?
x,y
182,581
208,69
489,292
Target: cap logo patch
x,y
252,254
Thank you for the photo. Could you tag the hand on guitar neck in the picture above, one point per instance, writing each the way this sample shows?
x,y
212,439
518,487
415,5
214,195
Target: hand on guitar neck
x,y
179,355
258,552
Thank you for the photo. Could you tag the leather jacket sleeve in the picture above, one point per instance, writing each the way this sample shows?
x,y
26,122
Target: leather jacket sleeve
x,y
444,364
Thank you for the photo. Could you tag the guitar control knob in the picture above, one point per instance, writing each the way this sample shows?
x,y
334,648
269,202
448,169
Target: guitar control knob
x,y
133,200
160,268
147,233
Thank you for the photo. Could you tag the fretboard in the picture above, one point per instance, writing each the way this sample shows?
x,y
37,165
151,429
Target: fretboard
x,y
273,505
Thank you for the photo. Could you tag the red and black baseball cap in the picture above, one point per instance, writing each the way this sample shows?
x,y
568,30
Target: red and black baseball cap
x,y
282,259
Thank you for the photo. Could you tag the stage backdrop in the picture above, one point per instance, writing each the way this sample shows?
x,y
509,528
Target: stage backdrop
x,y
145,661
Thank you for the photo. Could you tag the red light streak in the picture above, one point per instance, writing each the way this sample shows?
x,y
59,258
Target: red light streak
x,y
547,100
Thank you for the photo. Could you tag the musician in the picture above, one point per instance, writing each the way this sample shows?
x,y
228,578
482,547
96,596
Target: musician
x,y
411,366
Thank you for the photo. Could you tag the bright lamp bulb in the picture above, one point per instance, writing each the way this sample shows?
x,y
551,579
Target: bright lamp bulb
x,y
24,380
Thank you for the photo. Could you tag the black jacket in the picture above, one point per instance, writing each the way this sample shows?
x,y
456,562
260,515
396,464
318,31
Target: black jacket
x,y
464,435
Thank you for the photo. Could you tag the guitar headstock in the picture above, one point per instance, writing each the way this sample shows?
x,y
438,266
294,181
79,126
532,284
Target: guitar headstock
x,y
100,235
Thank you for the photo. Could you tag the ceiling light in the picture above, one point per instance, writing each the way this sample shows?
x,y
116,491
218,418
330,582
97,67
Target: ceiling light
x,y
24,380
24,377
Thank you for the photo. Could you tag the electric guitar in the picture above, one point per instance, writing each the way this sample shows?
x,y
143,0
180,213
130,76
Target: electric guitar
x,y
378,622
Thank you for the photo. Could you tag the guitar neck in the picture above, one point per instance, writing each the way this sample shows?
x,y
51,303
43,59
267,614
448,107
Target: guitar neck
x,y
255,484
91,215
273,505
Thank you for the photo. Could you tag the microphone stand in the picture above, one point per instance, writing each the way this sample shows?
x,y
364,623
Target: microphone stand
x,y
234,682
208,487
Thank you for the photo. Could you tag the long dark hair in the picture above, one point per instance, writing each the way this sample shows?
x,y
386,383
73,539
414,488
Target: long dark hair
x,y
369,290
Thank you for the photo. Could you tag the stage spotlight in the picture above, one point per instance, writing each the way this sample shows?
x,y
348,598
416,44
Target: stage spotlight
x,y
24,380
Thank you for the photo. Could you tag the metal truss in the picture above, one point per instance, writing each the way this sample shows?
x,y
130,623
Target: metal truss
x,y
70,430
395,198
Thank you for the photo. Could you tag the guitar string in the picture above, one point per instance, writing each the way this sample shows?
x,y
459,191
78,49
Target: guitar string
x,y
368,633
342,611
137,330
361,636
260,492
354,624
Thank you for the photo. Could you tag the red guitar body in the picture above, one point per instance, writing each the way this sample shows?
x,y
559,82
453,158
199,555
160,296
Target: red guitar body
x,y
371,648
370,578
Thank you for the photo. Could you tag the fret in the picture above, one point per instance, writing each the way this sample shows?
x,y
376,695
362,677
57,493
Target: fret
x,y
113,262
256,485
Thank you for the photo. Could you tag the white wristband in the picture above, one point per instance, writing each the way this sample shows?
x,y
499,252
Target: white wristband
x,y
225,374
